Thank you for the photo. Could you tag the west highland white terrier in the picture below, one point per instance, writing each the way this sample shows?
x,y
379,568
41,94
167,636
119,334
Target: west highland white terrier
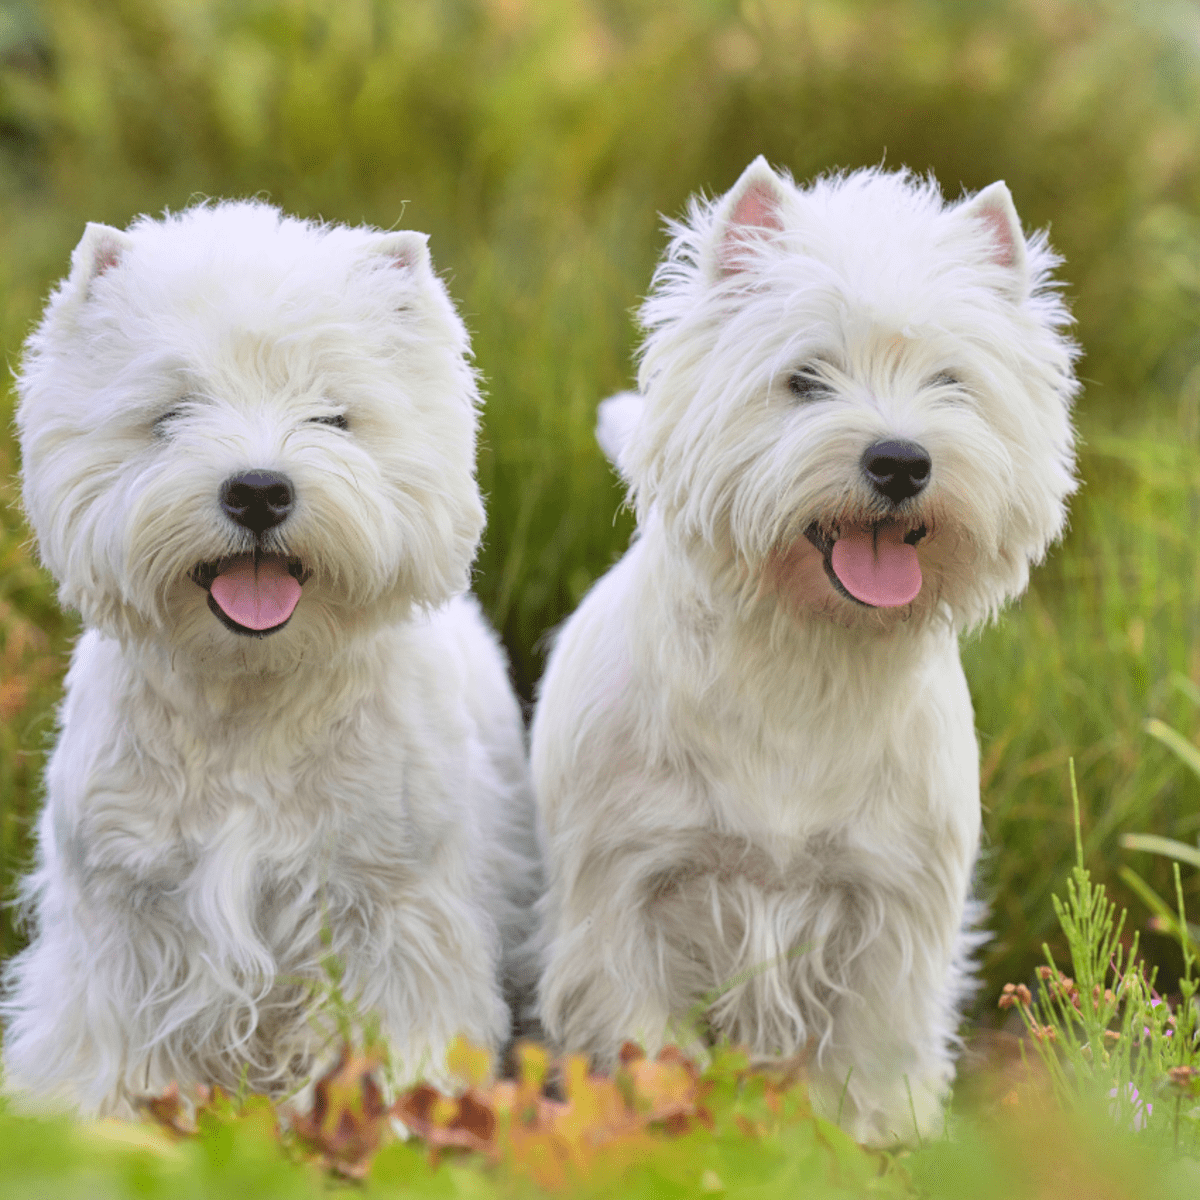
x,y
248,447
754,751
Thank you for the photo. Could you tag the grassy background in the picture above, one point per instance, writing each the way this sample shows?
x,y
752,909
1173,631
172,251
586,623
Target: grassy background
x,y
538,143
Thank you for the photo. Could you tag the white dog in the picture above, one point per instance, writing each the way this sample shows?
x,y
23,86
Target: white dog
x,y
248,450
754,751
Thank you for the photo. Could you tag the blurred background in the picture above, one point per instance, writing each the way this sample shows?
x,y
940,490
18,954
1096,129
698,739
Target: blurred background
x,y
539,144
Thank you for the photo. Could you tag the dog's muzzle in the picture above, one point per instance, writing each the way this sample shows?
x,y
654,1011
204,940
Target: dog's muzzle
x,y
254,594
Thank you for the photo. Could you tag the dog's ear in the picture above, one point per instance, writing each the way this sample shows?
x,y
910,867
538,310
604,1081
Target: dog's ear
x,y
993,207
750,210
407,248
99,250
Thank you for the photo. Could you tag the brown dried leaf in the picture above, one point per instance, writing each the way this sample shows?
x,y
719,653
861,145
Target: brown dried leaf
x,y
668,1090
603,1122
169,1110
630,1052
466,1122
348,1117
525,1106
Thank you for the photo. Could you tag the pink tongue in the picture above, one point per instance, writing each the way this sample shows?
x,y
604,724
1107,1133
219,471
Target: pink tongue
x,y
877,567
258,595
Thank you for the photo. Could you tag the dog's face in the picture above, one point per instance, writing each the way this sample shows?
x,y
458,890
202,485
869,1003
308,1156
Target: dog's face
x,y
244,434
857,398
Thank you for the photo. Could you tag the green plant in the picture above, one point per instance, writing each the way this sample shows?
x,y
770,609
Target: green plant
x,y
1162,918
1103,1034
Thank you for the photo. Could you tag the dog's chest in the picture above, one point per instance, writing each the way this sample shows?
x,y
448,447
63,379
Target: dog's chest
x,y
237,836
244,845
801,774
797,745
264,897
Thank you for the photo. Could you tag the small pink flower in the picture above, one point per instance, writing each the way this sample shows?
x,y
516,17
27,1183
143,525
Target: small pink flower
x,y
1141,1108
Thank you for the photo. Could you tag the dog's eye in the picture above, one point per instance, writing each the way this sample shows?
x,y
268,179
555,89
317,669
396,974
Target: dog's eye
x,y
944,379
807,385
337,420
162,423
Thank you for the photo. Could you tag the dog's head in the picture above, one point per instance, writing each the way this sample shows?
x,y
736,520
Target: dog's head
x,y
857,397
242,432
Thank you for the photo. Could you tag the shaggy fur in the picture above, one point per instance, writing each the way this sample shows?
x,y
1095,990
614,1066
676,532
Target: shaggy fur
x,y
760,794
227,805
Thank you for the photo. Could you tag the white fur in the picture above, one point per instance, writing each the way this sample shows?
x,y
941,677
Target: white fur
x,y
224,811
746,778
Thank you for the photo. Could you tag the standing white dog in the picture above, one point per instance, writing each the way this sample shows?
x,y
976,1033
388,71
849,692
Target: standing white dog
x,y
754,750
249,448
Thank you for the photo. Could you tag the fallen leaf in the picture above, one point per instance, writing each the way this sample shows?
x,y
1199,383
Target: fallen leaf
x,y
348,1116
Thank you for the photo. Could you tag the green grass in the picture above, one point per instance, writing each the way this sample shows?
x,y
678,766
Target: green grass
x,y
538,143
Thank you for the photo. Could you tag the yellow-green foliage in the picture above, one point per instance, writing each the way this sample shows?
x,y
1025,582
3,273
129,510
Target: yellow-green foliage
x,y
538,142
757,1140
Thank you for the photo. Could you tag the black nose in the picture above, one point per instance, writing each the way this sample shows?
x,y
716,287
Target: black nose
x,y
257,500
897,470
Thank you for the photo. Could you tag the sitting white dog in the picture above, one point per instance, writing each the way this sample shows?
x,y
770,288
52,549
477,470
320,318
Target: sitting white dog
x,y
754,751
249,448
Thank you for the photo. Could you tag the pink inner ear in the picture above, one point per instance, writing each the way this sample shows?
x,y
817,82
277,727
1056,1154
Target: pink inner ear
x,y
106,256
403,250
756,210
758,207
1004,249
106,253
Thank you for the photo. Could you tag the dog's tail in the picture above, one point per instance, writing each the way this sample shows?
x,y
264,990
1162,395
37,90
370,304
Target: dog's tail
x,y
615,421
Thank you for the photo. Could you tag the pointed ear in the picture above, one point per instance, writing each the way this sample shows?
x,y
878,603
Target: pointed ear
x,y
407,248
99,250
993,207
752,208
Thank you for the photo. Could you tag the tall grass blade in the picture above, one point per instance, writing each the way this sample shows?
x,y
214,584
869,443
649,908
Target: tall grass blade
x,y
1169,847
1175,741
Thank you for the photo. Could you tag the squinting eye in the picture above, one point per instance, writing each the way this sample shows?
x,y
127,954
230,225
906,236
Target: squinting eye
x,y
945,379
806,385
161,426
338,421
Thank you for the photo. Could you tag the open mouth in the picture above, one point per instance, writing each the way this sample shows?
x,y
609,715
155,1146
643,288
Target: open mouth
x,y
875,565
252,594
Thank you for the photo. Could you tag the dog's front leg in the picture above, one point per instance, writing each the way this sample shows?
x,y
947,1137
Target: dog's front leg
x,y
883,1093
593,998
606,966
430,974
888,1075
69,994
